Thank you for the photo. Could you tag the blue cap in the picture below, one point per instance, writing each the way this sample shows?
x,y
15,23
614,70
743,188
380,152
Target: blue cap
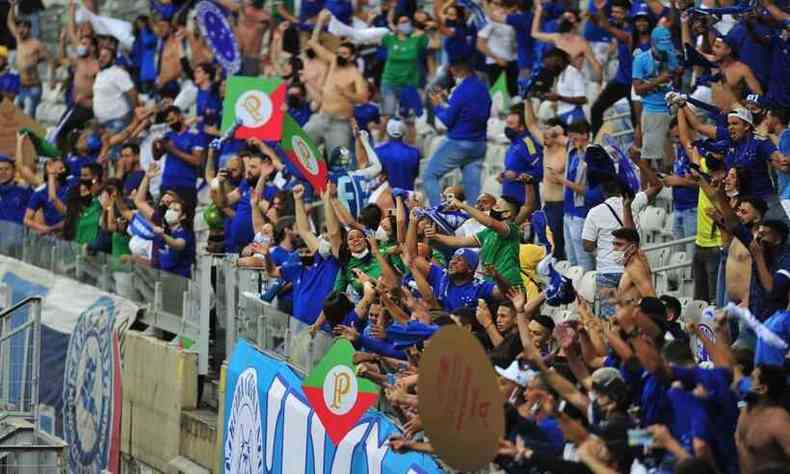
x,y
784,142
759,100
661,37
642,10
5,159
471,257
719,147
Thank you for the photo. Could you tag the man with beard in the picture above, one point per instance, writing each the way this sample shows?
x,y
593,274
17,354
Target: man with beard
x,y
241,228
30,52
343,87
184,157
114,95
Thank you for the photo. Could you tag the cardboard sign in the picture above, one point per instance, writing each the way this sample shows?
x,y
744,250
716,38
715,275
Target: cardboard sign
x,y
11,120
337,395
461,407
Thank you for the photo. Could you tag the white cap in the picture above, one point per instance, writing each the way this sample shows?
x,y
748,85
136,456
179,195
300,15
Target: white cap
x,y
515,374
395,128
743,114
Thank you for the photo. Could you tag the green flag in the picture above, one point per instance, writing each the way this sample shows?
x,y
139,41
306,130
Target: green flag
x,y
500,97
43,147
337,395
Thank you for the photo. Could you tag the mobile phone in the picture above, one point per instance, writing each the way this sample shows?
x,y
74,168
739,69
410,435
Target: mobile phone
x,y
640,437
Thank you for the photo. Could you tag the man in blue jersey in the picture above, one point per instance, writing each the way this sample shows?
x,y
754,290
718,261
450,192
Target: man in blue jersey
x,y
465,114
523,159
401,162
184,157
53,211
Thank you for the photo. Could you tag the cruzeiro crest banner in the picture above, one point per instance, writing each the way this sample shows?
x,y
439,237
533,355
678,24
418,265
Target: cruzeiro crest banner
x,y
219,35
270,426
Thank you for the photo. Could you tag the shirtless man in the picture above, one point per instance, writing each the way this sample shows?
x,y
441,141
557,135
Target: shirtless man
x,y
251,25
737,75
343,87
763,432
566,39
553,140
170,59
637,281
85,67
29,53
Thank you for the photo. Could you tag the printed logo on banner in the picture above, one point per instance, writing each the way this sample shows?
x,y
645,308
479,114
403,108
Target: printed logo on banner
x,y
244,441
88,389
214,27
304,154
253,108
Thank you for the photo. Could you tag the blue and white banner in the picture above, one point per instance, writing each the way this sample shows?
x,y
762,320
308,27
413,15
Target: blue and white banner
x,y
140,227
219,35
269,427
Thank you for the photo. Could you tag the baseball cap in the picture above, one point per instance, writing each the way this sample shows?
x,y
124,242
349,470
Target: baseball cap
x,y
609,381
516,374
6,159
471,257
642,11
395,128
743,114
759,100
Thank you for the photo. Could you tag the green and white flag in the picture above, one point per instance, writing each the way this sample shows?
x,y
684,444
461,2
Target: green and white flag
x,y
500,97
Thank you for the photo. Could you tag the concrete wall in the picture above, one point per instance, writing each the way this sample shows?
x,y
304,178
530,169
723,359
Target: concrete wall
x,y
159,382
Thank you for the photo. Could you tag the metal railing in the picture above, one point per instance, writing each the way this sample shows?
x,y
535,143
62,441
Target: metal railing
x,y
20,360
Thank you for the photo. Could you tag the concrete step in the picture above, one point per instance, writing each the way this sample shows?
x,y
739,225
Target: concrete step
x,y
198,439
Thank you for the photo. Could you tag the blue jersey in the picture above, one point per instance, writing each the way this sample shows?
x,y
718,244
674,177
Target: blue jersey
x,y
13,202
572,206
178,173
401,163
311,285
683,197
754,153
524,155
353,191
178,261
40,200
453,296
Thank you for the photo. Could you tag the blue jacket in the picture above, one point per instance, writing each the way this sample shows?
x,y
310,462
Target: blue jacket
x,y
466,114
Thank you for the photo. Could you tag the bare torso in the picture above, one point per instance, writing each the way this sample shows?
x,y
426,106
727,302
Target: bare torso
x,y
170,61
313,75
572,44
738,272
85,70
249,31
201,54
553,159
334,103
756,437
627,289
29,54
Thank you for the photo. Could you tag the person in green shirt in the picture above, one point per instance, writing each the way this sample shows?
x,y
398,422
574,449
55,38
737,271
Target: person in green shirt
x,y
83,210
405,49
354,257
499,242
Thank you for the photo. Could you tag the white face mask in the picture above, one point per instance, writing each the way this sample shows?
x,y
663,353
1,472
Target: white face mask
x,y
618,256
324,248
360,255
381,234
262,239
172,216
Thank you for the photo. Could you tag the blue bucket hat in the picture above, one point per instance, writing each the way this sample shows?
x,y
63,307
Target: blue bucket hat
x,y
471,257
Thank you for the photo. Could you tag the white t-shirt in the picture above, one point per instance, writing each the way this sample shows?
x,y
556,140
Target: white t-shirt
x,y
109,101
501,40
598,228
570,84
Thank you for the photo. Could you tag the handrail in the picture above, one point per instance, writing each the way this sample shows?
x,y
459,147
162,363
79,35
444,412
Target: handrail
x,y
672,243
24,302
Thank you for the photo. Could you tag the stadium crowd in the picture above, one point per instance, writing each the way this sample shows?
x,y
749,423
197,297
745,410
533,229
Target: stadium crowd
x,y
409,241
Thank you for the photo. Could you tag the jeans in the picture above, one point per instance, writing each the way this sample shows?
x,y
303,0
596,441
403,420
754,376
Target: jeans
x,y
610,94
684,224
28,100
390,98
451,154
332,132
705,270
605,287
574,250
554,211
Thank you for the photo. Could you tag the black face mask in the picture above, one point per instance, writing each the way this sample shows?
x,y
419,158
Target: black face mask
x,y
418,25
342,62
565,26
309,53
307,260
511,133
177,127
496,215
294,101
252,181
451,23
62,177
86,200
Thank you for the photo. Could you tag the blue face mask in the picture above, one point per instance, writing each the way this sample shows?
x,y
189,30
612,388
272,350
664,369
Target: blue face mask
x,y
405,28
